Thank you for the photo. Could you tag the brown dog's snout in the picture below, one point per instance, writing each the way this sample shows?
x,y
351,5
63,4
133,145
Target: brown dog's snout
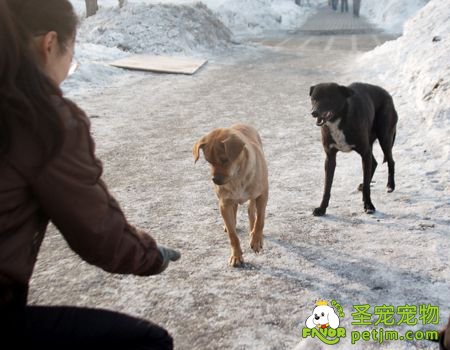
x,y
218,179
315,114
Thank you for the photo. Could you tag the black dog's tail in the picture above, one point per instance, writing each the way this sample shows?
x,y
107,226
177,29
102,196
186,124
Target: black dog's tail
x,y
393,141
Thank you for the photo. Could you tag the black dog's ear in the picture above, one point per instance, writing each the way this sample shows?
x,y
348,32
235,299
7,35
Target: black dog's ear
x,y
311,89
346,91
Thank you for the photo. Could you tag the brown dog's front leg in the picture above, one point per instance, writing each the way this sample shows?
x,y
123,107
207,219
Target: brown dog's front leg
x,y
228,215
235,209
367,177
256,241
252,214
330,166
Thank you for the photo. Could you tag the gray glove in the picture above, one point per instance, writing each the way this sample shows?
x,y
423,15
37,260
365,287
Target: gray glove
x,y
168,255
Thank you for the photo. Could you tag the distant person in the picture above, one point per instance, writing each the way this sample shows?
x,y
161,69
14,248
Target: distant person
x,y
344,5
334,4
356,7
299,2
49,172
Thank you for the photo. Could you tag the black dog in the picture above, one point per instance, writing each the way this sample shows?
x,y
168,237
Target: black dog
x,y
351,118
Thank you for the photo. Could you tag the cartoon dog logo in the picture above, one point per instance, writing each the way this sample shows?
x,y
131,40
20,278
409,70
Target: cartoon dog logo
x,y
323,316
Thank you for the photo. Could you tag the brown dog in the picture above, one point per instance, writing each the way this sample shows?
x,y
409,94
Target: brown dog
x,y
239,172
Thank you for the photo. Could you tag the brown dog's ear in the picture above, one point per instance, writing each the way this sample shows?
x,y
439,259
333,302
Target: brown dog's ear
x,y
233,146
311,89
196,149
346,91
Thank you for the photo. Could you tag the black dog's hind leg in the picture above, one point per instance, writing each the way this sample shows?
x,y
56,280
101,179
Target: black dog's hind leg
x,y
330,166
367,176
385,127
374,167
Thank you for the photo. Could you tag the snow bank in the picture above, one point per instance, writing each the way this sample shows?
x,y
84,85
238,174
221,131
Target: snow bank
x,y
390,14
80,5
171,27
114,33
246,17
156,28
243,17
93,69
416,67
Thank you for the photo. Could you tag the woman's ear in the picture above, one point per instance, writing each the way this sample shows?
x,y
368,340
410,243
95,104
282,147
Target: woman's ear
x,y
47,46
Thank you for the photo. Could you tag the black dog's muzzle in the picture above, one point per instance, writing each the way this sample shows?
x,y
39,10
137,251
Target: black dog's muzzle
x,y
322,118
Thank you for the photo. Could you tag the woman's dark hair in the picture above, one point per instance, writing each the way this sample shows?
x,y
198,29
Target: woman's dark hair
x,y
25,90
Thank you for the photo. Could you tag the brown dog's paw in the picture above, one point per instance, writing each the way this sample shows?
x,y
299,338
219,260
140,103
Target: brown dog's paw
x,y
256,243
235,260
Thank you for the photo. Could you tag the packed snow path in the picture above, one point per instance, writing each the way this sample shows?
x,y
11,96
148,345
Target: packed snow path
x,y
330,30
145,126
326,21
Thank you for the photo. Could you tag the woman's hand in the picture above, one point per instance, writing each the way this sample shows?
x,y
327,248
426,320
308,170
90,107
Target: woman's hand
x,y
168,255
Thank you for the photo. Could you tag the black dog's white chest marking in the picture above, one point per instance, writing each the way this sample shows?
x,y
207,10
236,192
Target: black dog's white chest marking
x,y
338,137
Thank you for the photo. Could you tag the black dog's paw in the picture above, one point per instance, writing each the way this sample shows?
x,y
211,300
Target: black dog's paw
x,y
369,208
319,211
390,188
